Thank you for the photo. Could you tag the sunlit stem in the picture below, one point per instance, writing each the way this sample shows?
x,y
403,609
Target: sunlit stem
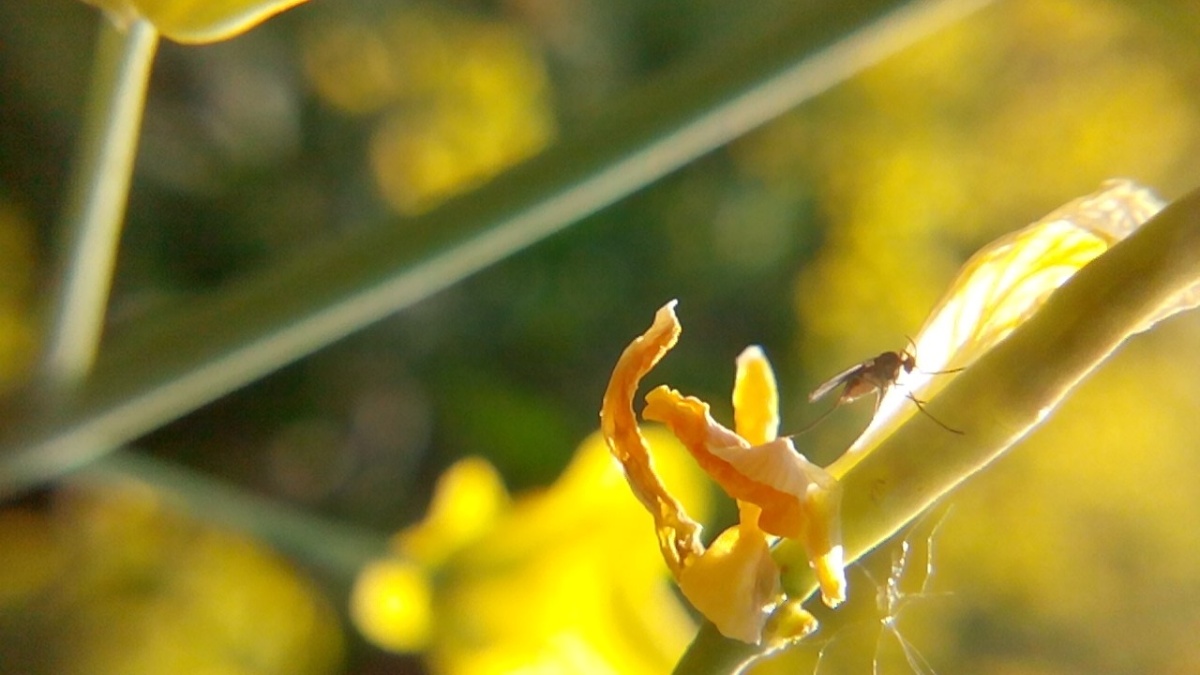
x,y
94,206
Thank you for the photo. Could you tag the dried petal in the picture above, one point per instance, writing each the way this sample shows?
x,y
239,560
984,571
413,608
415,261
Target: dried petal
x,y
735,583
678,535
788,624
798,499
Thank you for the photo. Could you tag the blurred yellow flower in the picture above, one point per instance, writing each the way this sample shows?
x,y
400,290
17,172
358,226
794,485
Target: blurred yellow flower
x,y
552,582
459,98
113,580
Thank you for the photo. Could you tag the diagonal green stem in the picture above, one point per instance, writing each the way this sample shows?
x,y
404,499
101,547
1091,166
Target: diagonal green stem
x,y
338,549
1006,394
95,202
171,366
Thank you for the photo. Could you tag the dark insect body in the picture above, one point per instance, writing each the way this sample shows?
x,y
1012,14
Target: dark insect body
x,y
875,376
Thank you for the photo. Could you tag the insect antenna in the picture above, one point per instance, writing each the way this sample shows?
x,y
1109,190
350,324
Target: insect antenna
x,y
942,372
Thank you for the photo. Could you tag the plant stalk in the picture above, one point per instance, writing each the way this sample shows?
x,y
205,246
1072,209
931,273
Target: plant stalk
x,y
98,191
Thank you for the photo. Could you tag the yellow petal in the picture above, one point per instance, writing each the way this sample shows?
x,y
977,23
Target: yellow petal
x,y
196,21
799,499
678,535
392,605
734,584
755,398
468,498
789,623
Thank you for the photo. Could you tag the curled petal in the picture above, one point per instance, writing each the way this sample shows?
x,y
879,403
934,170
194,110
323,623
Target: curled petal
x,y
799,499
678,535
735,583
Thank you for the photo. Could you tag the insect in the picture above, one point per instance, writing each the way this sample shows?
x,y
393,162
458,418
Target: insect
x,y
876,376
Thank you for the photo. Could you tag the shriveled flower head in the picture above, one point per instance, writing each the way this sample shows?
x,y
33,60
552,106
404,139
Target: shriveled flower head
x,y
734,582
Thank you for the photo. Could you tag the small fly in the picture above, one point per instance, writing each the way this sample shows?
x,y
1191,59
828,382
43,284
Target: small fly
x,y
876,376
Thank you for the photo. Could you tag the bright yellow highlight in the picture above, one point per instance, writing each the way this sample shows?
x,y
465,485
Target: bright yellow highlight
x,y
734,582
557,581
392,605
195,21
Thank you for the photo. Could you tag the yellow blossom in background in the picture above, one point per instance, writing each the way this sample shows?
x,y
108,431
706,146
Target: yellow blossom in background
x,y
559,581
112,580
458,99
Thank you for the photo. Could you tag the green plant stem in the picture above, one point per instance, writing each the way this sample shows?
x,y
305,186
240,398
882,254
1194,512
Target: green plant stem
x,y
171,365
1005,395
714,654
95,202
335,548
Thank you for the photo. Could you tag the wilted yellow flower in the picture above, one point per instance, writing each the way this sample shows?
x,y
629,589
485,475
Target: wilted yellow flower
x,y
734,582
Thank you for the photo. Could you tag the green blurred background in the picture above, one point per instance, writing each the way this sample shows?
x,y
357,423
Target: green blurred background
x,y
824,236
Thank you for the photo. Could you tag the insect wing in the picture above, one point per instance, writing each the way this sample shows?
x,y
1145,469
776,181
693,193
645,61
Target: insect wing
x,y
836,381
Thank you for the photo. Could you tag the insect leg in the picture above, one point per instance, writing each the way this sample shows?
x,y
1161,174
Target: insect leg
x,y
820,418
921,407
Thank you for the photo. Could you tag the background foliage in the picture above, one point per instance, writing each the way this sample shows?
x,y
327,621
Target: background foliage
x,y
825,237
